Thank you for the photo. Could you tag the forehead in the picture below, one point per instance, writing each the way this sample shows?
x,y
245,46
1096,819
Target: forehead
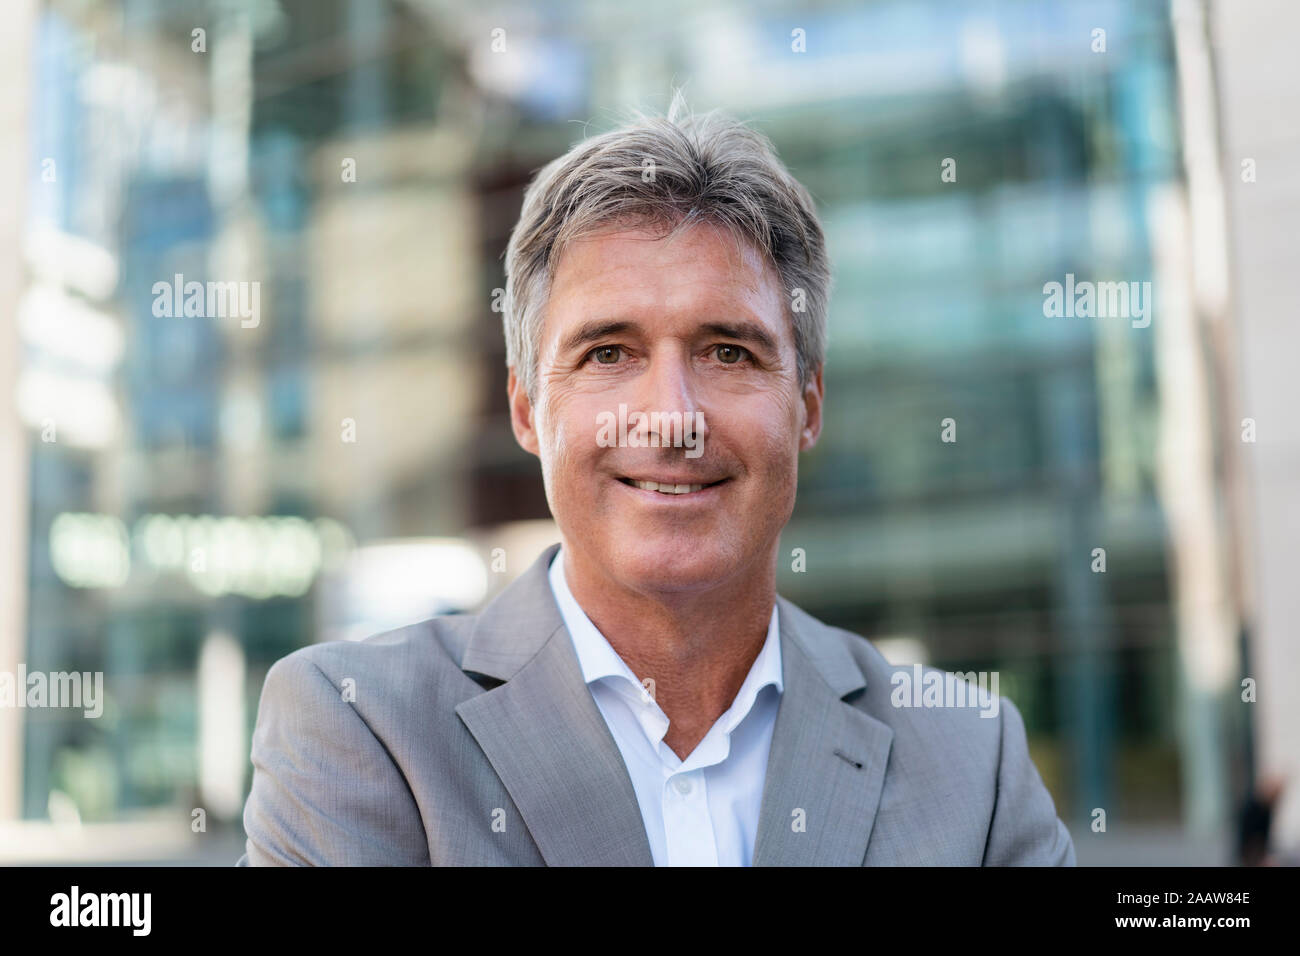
x,y
702,274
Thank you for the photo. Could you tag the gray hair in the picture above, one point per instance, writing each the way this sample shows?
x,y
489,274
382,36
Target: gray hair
x,y
673,170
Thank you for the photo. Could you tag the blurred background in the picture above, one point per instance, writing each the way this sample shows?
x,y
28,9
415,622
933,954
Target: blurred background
x,y
186,499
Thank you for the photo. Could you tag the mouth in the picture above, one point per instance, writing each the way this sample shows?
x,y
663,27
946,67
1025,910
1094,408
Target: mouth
x,y
671,487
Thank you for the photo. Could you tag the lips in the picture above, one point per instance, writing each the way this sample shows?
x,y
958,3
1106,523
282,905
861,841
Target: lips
x,y
669,487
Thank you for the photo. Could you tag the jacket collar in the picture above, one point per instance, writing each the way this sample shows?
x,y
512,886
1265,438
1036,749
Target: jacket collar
x,y
546,739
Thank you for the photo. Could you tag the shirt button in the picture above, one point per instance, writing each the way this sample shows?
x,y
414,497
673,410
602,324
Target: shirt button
x,y
682,785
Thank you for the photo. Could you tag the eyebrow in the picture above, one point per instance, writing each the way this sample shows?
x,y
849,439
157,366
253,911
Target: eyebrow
x,y
750,332
595,330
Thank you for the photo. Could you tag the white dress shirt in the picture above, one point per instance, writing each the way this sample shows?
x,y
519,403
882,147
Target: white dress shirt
x,y
701,811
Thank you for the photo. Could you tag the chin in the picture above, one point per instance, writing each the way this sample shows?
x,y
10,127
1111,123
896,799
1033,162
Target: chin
x,y
675,562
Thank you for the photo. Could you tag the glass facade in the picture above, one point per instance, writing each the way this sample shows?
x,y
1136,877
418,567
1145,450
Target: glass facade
x,y
220,488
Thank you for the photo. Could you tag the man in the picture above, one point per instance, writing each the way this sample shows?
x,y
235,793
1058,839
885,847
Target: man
x,y
641,695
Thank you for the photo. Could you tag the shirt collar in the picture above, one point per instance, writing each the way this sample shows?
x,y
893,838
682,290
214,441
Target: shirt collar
x,y
599,660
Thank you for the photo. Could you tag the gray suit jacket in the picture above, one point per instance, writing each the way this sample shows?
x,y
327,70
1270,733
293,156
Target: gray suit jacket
x,y
473,740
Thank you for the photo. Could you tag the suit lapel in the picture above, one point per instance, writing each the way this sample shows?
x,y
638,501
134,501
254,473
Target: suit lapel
x,y
827,759
549,744
544,735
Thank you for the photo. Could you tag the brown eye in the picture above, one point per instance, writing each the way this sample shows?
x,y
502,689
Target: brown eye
x,y
730,354
607,354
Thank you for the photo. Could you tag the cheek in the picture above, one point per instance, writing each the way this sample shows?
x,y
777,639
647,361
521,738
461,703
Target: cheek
x,y
771,422
770,433
567,445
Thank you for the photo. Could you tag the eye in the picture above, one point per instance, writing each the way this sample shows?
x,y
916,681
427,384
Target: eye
x,y
730,354
607,354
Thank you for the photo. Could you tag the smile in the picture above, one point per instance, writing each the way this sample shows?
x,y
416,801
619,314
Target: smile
x,y
669,488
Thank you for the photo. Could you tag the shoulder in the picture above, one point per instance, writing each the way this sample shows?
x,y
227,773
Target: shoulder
x,y
394,665
954,719
958,747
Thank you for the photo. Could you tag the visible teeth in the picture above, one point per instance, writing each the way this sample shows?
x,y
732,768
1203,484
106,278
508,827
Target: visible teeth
x,y
667,489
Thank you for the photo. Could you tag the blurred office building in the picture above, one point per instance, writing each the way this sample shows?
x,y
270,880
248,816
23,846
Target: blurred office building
x,y
254,392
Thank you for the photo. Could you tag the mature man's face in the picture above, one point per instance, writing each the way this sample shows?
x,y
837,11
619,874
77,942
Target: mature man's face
x,y
695,324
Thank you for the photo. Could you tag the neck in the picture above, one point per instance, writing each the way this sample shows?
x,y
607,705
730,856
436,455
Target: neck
x,y
697,646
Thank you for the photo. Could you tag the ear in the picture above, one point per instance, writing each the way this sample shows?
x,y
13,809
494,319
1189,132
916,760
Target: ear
x,y
813,395
521,414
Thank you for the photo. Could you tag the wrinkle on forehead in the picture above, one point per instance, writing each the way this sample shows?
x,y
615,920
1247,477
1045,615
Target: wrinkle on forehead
x,y
746,266
743,255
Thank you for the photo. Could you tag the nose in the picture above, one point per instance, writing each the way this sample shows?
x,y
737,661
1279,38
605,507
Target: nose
x,y
671,388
